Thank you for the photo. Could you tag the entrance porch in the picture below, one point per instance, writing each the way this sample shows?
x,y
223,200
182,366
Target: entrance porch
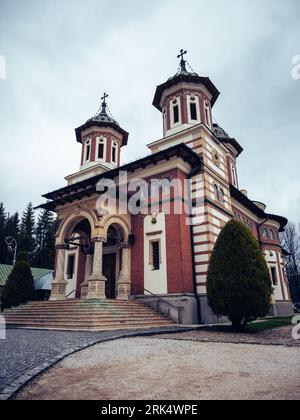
x,y
92,267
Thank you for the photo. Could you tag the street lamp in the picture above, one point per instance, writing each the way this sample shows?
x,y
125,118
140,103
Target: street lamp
x,y
12,246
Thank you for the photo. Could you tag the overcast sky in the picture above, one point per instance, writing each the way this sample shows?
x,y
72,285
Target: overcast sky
x,y
62,55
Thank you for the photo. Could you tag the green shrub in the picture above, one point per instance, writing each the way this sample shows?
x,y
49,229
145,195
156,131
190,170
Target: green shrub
x,y
238,282
19,287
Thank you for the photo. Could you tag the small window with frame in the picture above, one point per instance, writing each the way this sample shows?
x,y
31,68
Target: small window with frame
x,y
274,276
114,152
193,109
176,114
155,255
101,149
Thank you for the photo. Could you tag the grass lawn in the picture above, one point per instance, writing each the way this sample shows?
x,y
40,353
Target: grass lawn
x,y
270,324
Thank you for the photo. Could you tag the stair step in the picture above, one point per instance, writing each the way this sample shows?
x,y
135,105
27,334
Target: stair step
x,y
91,319
85,315
87,325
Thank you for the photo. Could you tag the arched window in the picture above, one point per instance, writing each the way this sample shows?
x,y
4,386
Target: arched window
x,y
207,113
234,175
222,196
114,152
87,150
165,119
176,114
217,194
101,148
175,111
265,233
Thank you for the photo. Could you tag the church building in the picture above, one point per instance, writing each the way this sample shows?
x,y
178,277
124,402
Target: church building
x,y
158,251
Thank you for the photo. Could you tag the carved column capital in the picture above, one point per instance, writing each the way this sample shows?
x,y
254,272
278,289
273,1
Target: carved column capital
x,y
98,239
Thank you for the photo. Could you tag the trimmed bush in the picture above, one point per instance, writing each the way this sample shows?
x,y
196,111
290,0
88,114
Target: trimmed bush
x,y
19,288
238,283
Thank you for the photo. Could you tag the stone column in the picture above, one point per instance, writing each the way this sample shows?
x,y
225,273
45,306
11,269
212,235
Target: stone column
x,y
88,273
59,284
97,281
124,281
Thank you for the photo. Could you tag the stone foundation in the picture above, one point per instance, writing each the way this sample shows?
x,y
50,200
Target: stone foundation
x,y
188,302
282,309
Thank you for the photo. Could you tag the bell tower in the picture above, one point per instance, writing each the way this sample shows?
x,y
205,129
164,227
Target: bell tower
x,y
101,139
185,100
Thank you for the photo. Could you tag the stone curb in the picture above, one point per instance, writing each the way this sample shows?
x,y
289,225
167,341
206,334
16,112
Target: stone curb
x,y
15,387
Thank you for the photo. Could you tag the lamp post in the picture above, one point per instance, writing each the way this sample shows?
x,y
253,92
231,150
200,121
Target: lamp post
x,y
12,246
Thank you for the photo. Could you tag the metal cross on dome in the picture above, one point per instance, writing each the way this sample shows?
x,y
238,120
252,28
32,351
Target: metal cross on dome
x,y
104,104
182,61
104,97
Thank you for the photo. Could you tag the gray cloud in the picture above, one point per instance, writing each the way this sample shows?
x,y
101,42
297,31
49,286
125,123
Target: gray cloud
x,y
61,55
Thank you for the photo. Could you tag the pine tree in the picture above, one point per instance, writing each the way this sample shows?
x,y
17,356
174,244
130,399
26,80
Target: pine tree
x,y
238,281
3,218
27,240
45,240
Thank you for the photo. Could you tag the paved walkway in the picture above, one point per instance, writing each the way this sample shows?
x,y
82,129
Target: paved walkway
x,y
26,353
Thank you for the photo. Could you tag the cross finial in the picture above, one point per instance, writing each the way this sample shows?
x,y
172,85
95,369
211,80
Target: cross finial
x,y
104,104
182,61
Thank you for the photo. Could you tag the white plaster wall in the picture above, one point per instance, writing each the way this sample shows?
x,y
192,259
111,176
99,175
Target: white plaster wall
x,y
71,283
155,281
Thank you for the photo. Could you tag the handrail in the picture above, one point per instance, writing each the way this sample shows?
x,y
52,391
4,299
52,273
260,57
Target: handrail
x,y
160,299
71,293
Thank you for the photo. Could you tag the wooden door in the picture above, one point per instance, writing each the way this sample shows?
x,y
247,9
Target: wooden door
x,y
109,271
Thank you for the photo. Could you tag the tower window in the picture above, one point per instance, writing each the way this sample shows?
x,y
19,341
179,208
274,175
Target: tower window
x,y
87,151
234,176
114,152
100,151
265,233
176,114
155,250
207,114
193,108
165,119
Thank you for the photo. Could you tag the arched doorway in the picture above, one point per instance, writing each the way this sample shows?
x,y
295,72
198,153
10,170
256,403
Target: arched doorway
x,y
78,246
112,259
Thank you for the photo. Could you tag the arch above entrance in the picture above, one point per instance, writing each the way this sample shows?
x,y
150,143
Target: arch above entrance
x,y
117,223
69,224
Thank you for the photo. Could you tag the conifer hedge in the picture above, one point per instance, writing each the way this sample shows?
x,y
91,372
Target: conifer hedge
x,y
238,284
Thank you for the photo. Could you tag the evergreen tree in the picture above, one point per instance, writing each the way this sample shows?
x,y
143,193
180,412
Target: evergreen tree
x,y
45,240
238,282
3,218
27,240
22,257
19,287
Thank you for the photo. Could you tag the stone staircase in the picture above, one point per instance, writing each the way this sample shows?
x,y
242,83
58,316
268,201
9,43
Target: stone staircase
x,y
85,315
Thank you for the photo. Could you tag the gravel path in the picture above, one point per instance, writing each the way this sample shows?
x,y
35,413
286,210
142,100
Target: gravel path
x,y
155,368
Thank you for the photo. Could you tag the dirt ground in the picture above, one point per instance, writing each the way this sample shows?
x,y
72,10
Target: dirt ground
x,y
162,368
277,337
